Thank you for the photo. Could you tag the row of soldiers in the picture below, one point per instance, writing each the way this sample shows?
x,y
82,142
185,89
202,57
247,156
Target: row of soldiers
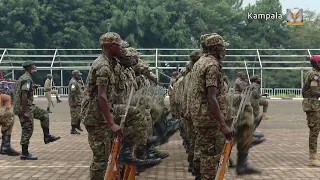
x,y
111,77
200,98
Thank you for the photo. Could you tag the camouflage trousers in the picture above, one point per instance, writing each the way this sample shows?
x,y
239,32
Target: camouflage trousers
x,y
149,122
135,126
265,105
244,129
100,139
27,124
192,138
210,141
313,118
173,106
75,115
256,108
6,122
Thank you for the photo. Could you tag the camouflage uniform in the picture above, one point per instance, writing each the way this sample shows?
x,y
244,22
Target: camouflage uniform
x,y
240,85
265,104
207,72
25,83
74,99
255,99
6,117
100,136
311,106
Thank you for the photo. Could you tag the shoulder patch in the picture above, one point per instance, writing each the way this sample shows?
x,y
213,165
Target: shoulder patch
x,y
72,87
28,85
316,78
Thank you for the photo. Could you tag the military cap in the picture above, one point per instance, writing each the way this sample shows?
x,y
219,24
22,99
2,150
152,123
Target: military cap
x,y
215,40
204,36
28,63
76,72
130,51
109,38
49,75
254,78
124,44
195,54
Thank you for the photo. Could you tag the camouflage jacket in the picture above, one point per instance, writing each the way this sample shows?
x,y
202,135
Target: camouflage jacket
x,y
24,83
75,93
206,72
100,73
240,85
310,103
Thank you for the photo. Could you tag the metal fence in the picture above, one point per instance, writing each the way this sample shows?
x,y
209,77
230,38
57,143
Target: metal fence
x,y
273,92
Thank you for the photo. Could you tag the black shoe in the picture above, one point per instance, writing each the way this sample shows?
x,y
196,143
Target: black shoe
x,y
243,168
79,127
257,141
258,135
47,137
48,110
25,155
155,154
73,130
6,148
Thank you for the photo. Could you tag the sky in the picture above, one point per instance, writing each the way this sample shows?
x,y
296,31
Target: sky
x,y
288,4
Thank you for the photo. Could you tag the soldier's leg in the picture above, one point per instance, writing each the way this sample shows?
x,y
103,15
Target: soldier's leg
x,y
43,116
78,118
135,133
244,139
100,140
6,123
313,119
191,138
75,118
26,133
55,92
196,154
211,146
49,99
265,104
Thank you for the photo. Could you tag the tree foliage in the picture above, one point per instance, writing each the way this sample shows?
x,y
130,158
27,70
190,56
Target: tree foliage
x,y
153,23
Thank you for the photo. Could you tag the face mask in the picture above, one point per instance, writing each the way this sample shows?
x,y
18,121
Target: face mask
x,y
33,70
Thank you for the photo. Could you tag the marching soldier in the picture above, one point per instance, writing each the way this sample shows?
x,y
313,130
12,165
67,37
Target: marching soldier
x,y
206,109
6,123
75,98
311,106
27,111
48,91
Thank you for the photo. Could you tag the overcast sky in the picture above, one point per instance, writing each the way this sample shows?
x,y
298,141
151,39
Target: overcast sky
x,y
288,4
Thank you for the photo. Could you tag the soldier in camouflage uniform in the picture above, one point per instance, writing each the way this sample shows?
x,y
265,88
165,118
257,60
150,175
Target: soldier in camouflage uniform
x,y
255,99
97,104
170,92
27,111
74,99
311,106
6,123
205,110
135,127
194,57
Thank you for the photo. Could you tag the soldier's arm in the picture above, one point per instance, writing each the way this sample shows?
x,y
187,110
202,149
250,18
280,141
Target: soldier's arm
x,y
315,92
256,93
211,80
103,76
25,88
7,100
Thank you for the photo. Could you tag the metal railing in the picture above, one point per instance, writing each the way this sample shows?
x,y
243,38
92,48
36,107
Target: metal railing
x,y
276,92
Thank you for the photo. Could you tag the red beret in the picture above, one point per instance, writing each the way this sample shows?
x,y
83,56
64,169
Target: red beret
x,y
315,58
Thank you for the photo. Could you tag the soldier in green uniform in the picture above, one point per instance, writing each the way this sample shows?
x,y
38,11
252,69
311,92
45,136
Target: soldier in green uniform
x,y
311,106
207,105
27,111
74,100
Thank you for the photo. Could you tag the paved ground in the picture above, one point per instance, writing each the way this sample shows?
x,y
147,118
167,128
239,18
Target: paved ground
x,y
282,156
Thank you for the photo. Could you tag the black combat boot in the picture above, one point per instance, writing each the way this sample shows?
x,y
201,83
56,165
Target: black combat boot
x,y
165,129
48,110
47,137
6,148
243,167
58,100
25,155
79,127
155,154
258,135
73,130
256,141
196,173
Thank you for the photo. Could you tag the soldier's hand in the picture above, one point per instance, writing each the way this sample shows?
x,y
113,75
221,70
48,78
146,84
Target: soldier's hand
x,y
115,128
26,115
228,133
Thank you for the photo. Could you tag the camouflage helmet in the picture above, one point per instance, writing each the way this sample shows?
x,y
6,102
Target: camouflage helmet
x,y
49,75
28,63
214,40
130,51
195,55
76,72
110,38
